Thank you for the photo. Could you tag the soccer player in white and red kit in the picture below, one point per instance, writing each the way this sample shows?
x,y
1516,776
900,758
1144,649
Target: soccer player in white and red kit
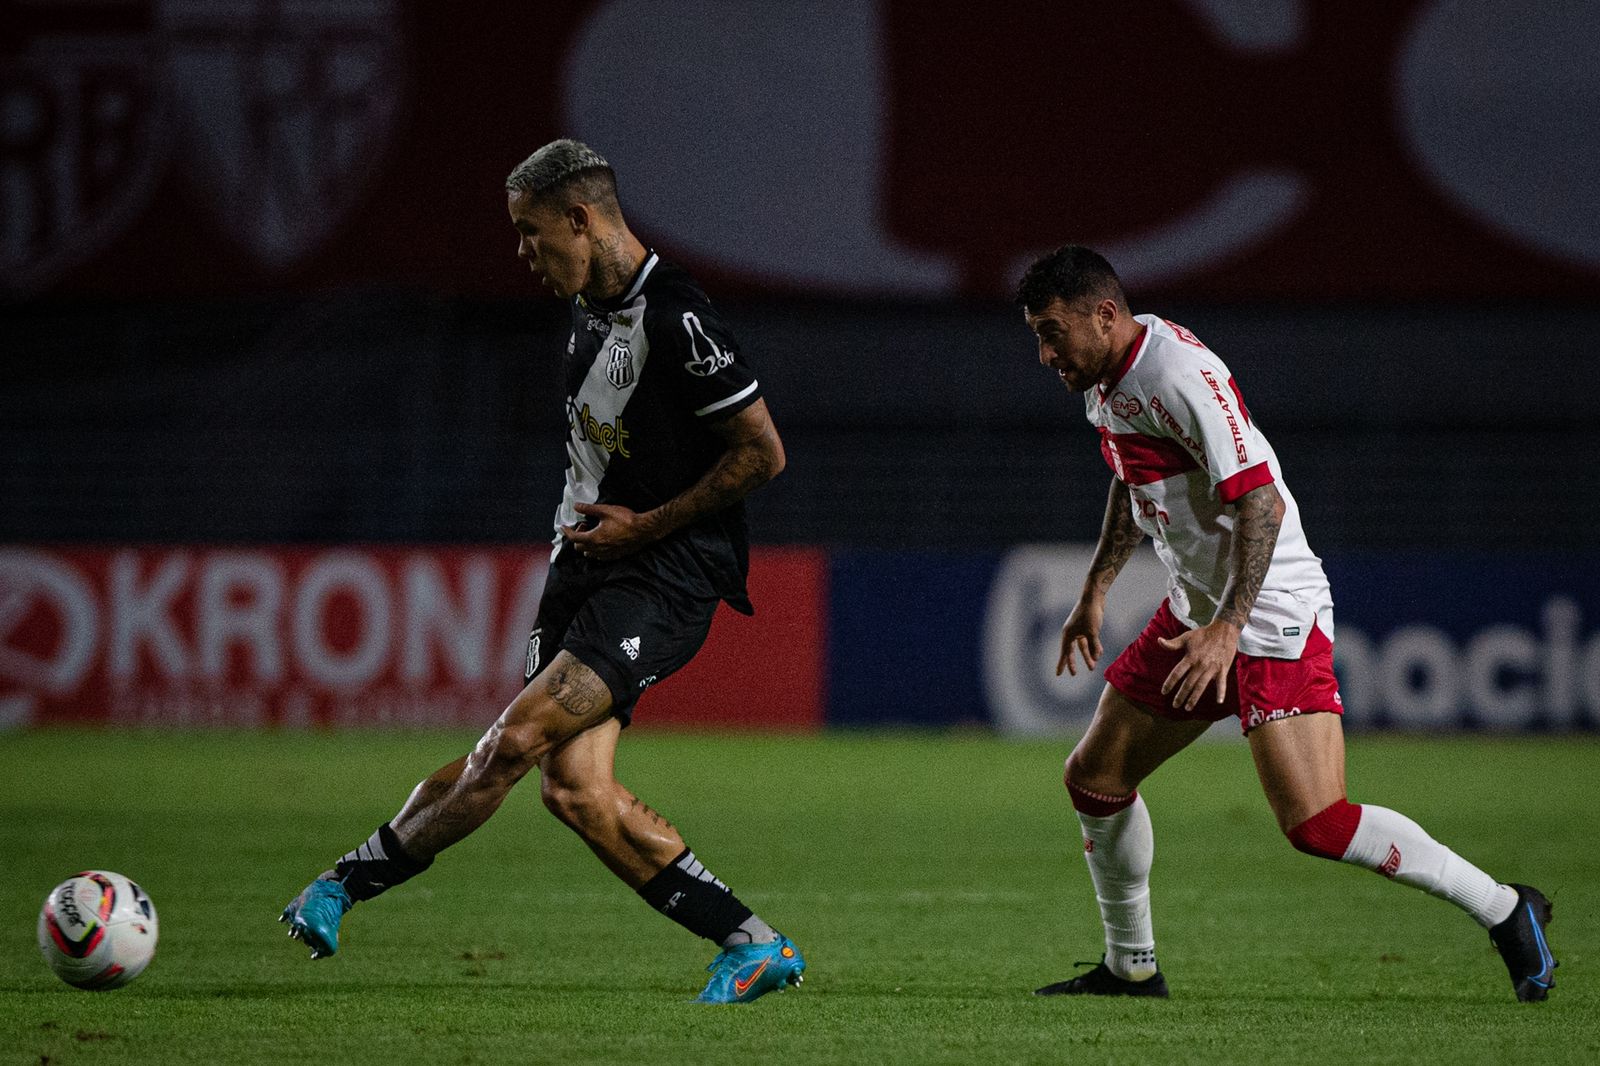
x,y
1246,630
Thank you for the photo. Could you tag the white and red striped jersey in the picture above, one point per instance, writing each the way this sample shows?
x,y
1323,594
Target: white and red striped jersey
x,y
1174,428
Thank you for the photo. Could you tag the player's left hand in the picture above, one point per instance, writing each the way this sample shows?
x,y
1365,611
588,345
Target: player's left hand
x,y
610,532
1207,657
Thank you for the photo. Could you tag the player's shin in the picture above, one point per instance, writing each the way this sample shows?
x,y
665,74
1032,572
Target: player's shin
x,y
1119,846
692,896
377,865
1389,843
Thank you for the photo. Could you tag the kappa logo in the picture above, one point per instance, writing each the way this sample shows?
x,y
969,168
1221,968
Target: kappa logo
x,y
630,647
1391,862
708,356
619,368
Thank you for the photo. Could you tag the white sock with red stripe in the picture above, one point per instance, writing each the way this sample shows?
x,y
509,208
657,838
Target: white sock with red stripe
x,y
1393,845
1389,843
1119,845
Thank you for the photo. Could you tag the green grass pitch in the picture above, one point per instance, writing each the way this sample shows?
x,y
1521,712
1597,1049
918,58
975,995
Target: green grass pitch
x,y
932,882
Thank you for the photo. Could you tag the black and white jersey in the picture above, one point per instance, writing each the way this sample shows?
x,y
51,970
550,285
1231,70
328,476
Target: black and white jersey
x,y
646,374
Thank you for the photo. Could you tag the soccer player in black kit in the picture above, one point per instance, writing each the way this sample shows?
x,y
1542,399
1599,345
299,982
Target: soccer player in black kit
x,y
666,434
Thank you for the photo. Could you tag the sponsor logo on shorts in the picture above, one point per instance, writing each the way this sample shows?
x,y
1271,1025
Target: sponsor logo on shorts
x,y
1391,862
630,647
532,666
647,682
1258,715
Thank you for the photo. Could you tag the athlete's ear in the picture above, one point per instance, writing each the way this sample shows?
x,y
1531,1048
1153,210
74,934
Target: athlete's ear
x,y
1105,313
579,216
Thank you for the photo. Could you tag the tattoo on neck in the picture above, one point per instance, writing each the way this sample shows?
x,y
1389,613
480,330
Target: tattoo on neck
x,y
611,269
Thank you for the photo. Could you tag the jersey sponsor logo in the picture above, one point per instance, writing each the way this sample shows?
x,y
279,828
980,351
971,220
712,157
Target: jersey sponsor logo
x,y
1183,333
709,357
1391,862
1227,410
630,647
645,683
619,367
1178,431
609,435
1125,406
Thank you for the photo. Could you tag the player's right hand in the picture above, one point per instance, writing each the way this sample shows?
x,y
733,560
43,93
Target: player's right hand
x,y
1081,634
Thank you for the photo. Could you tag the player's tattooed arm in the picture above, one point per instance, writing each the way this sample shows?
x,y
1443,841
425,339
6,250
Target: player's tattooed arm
x,y
752,457
1119,535
1258,515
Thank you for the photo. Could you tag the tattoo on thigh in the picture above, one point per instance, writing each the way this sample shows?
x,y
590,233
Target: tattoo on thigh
x,y
577,689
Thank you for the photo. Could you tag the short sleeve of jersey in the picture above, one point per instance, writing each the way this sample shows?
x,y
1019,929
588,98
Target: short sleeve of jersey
x,y
711,374
1210,406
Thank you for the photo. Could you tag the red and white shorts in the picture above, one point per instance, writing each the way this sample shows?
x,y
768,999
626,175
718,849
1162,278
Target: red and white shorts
x,y
1260,690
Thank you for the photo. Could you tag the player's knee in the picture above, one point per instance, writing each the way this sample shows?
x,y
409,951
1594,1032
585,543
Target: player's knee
x,y
1083,772
1095,795
1327,834
579,806
508,752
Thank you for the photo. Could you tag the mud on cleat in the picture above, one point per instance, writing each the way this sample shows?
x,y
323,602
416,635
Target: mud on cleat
x,y
748,971
314,915
1100,981
1520,941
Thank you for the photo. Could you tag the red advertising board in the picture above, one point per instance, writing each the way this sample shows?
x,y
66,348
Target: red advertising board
x,y
200,636
1228,149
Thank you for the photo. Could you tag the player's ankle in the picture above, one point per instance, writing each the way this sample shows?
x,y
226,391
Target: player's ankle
x,y
1132,964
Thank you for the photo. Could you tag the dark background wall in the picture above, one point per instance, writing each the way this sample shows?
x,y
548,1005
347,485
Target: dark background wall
x,y
258,284
379,416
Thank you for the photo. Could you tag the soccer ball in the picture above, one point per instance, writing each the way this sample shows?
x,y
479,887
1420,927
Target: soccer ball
x,y
97,930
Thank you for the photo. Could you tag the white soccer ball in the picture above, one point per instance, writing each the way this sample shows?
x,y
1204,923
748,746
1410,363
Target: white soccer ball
x,y
97,930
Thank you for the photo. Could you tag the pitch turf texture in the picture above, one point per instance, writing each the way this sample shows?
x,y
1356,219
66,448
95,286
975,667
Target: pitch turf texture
x,y
932,882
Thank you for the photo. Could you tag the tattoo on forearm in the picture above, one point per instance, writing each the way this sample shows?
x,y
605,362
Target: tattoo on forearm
x,y
1119,535
1255,534
736,473
577,689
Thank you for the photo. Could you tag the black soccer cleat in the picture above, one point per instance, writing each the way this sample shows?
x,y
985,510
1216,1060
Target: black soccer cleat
x,y
1520,941
1100,981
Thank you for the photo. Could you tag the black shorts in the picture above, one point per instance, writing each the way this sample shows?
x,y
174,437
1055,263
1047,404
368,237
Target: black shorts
x,y
632,621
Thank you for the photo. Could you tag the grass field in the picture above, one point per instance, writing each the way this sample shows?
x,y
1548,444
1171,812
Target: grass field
x,y
932,882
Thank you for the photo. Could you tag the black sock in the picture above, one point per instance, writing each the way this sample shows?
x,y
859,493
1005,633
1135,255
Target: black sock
x,y
379,864
687,893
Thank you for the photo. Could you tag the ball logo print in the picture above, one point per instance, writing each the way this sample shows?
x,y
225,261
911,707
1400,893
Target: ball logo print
x,y
97,930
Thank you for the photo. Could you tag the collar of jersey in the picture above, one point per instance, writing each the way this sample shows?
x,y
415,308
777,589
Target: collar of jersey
x,y
1127,364
630,294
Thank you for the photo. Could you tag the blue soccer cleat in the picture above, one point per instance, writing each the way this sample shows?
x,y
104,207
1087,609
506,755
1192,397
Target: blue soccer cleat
x,y
1521,943
314,914
749,971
